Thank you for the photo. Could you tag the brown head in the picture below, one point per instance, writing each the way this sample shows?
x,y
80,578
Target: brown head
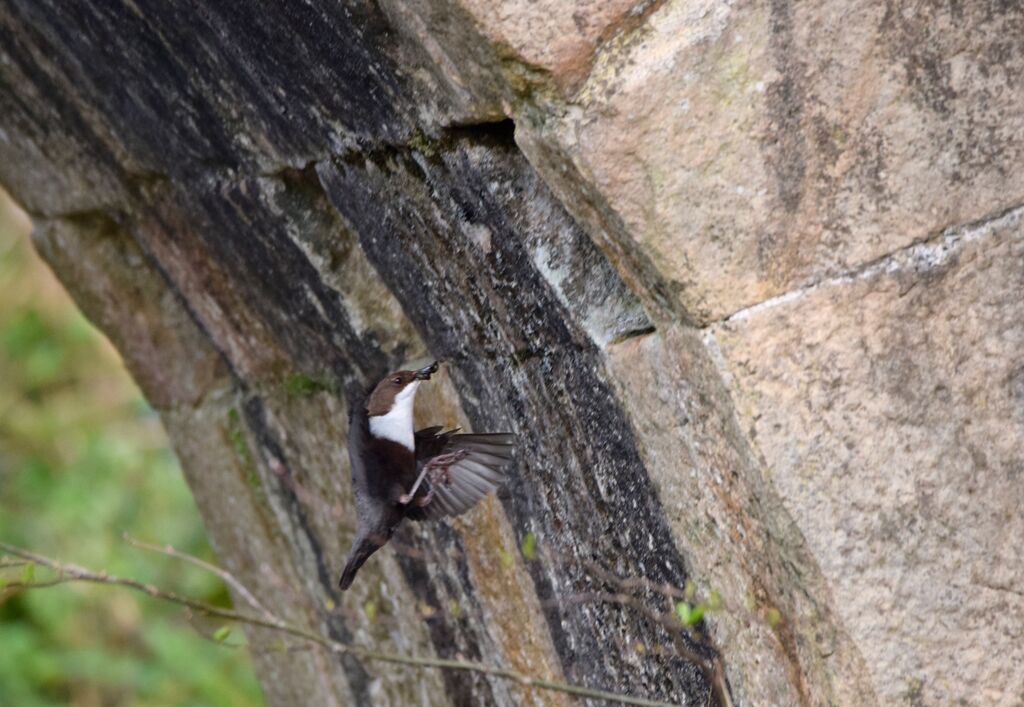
x,y
390,405
391,388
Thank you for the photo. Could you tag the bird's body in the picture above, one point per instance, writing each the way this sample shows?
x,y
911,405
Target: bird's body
x,y
398,473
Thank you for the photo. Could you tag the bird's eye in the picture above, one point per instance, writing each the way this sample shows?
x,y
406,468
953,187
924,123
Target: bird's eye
x,y
396,380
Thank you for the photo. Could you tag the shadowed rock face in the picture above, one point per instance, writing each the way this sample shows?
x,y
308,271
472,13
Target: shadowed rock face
x,y
531,368
669,244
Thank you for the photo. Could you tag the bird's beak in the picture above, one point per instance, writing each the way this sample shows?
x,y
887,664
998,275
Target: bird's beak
x,y
424,373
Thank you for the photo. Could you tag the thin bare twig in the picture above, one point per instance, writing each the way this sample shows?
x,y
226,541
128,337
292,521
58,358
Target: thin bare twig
x,y
228,578
293,648
70,572
635,583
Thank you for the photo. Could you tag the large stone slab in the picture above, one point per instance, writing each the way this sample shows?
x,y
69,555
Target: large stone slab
x,y
557,37
889,407
776,628
748,148
258,420
149,88
123,294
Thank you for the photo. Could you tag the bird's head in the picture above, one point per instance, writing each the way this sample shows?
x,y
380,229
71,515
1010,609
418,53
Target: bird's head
x,y
397,390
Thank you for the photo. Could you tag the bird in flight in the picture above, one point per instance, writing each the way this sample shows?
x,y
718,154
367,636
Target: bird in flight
x,y
400,473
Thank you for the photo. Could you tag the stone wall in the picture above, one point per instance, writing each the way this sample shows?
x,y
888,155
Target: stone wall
x,y
744,276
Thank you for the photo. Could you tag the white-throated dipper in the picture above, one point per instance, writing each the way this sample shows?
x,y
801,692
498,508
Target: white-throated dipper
x,y
399,473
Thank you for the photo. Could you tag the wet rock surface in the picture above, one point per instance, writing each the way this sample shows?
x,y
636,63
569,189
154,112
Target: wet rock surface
x,y
580,485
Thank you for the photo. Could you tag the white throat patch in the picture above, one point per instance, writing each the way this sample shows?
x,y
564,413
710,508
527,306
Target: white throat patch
x,y
396,425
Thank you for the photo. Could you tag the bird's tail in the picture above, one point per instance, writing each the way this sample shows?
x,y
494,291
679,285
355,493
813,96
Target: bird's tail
x,y
362,548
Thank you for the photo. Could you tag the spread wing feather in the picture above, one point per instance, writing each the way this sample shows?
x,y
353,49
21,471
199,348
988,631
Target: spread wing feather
x,y
474,476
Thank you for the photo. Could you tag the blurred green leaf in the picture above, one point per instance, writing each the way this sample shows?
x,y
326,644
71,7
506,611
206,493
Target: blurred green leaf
x,y
689,615
222,634
529,546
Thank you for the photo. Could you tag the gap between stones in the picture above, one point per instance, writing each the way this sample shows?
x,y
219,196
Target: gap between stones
x,y
922,256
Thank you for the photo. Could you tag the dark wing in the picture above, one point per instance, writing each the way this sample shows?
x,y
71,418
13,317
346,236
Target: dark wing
x,y
480,472
429,443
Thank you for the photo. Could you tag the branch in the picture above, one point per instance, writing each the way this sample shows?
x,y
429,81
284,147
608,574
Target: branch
x,y
635,583
226,576
73,573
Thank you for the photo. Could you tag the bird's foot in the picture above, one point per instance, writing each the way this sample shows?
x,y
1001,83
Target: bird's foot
x,y
439,468
406,498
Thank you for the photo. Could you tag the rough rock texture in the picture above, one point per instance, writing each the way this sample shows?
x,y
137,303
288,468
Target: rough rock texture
x,y
744,276
753,147
888,407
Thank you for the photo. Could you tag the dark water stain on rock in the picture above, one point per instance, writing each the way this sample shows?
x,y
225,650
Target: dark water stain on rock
x,y
784,141
525,364
218,83
452,636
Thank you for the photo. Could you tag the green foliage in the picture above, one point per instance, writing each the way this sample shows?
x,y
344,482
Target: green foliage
x,y
83,459
689,614
302,386
529,546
